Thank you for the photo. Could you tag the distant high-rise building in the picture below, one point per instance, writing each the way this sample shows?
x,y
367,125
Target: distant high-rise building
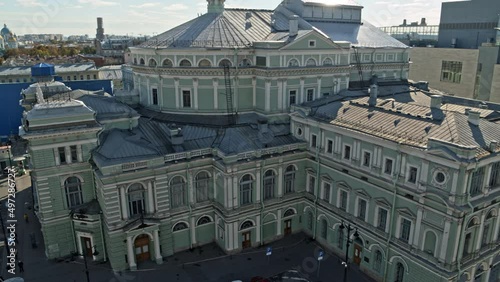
x,y
99,36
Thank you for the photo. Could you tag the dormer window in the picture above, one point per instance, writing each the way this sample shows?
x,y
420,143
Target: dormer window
x,y
312,43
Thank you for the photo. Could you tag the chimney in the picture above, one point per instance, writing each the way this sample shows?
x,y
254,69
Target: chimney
x,y
176,136
493,146
422,22
474,117
436,102
373,95
215,6
263,126
405,23
294,25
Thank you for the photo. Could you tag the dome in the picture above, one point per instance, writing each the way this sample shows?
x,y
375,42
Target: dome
x,y
5,30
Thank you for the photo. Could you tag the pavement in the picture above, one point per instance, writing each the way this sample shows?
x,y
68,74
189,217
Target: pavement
x,y
203,264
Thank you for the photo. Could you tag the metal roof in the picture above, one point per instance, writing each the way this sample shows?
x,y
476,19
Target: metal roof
x,y
64,68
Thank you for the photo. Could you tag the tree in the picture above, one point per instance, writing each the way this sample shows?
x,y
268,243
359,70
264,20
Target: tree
x,y
88,50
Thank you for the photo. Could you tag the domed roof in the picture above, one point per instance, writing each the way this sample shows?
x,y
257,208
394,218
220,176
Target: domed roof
x,y
5,30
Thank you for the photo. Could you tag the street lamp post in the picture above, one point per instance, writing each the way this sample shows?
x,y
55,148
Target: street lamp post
x,y
95,253
347,244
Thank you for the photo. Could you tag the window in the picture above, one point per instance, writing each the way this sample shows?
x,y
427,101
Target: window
x,y
326,191
367,156
75,78
400,272
412,175
293,97
329,146
495,175
314,140
74,154
382,219
73,189
310,184
476,185
362,209
135,199
68,77
289,179
180,226
141,61
439,177
377,264
186,98
204,63
88,76
154,93
81,77
95,76
484,240
405,230
324,229
340,239
311,62
327,62
288,213
167,63
347,152
204,220
343,200
246,225
135,61
310,94
309,220
261,61
467,242
366,57
185,63
62,155
451,71
246,187
390,57
388,166
177,192
293,63
312,43
202,184
269,183
245,63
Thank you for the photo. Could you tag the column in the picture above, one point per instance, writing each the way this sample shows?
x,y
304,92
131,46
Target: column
x,y
280,94
79,153
190,187
236,93
214,186
67,152
257,229
457,241
285,95
176,85
236,236
418,224
257,184
496,225
444,242
480,233
235,191
158,256
192,227
215,83
151,203
487,175
160,92
124,202
195,93
280,180
148,91
278,223
229,191
56,153
131,254
319,88
254,95
301,99
268,95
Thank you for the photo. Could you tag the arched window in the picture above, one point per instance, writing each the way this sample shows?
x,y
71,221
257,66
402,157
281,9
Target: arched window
x,y
309,220
293,63
225,62
180,226
430,242
204,220
135,61
400,272
73,189
288,213
377,263
269,184
340,238
290,179
245,63
247,224
152,63
177,192
204,63
167,63
185,63
311,62
246,188
202,184
324,229
327,62
141,62
136,199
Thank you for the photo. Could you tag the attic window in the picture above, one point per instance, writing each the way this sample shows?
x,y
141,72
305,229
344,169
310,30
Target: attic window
x,y
312,43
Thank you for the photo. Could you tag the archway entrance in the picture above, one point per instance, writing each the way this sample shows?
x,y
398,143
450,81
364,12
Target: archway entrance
x,y
288,227
358,248
141,246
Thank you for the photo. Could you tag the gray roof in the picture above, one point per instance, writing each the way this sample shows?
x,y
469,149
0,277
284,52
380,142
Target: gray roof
x,y
107,107
64,68
111,72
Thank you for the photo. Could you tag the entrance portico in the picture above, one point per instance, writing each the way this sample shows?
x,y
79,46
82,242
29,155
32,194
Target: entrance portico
x,y
139,245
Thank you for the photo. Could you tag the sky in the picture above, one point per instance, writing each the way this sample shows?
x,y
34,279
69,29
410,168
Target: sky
x,y
151,17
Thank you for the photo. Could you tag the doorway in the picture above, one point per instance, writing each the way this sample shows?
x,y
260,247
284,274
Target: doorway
x,y
246,241
357,254
288,227
86,246
142,248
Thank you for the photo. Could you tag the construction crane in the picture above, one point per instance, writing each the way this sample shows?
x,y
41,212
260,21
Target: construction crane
x,y
229,96
358,65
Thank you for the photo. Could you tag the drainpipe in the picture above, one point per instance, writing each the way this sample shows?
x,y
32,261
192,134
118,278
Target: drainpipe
x,y
102,237
316,183
464,226
262,206
397,171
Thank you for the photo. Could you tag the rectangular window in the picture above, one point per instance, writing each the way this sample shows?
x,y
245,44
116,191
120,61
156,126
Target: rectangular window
x,y
495,175
367,156
347,152
314,140
382,219
74,154
451,71
366,57
486,231
154,93
326,191
405,230
476,186
362,209
312,43
312,182
261,61
329,146
343,200
62,155
310,94
412,175
186,98
293,97
467,244
388,166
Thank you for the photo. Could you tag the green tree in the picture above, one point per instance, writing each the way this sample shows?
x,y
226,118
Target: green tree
x,y
88,50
